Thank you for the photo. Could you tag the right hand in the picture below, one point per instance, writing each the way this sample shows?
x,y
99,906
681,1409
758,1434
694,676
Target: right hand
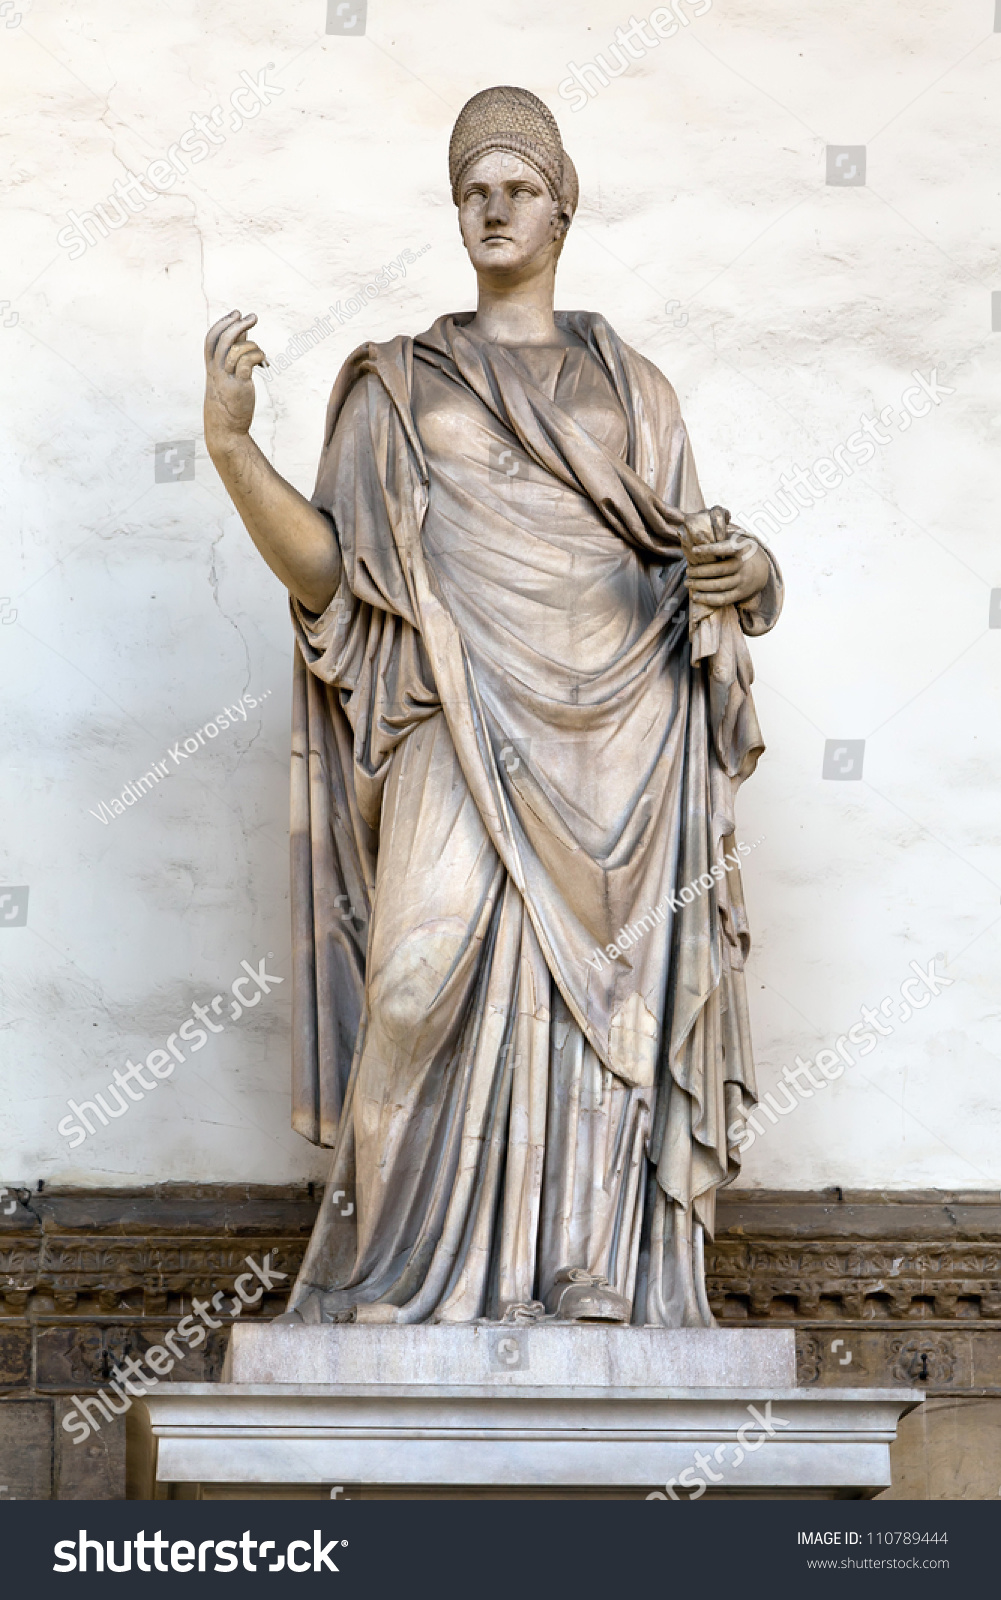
x,y
230,359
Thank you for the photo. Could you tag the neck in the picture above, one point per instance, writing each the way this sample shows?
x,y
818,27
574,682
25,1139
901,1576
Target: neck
x,y
520,313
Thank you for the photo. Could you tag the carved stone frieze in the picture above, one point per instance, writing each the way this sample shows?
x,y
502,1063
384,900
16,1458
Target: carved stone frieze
x,y
931,1359
104,1255
848,1271
858,1258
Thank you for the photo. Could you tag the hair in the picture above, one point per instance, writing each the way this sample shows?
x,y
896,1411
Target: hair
x,y
505,118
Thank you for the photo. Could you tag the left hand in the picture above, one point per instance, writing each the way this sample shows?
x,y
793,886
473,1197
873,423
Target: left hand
x,y
729,573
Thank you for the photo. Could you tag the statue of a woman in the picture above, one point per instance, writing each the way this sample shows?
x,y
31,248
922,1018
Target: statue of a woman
x,y
522,708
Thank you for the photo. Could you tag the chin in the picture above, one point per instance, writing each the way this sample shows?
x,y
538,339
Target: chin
x,y
505,259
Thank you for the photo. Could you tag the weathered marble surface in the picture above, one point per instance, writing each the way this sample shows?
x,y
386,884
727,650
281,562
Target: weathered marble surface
x,y
515,1356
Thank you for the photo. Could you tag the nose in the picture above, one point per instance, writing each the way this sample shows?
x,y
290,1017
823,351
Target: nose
x,y
497,212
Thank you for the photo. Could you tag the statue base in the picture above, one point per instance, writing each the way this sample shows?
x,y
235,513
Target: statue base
x,y
540,1410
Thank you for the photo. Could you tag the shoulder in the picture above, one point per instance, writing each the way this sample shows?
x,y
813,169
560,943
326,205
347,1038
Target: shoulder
x,y
656,389
370,379
645,382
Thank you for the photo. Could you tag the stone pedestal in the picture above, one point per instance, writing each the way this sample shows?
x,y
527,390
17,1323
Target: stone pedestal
x,y
524,1411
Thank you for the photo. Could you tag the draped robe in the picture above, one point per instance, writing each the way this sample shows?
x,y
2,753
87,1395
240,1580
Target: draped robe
x,y
520,1019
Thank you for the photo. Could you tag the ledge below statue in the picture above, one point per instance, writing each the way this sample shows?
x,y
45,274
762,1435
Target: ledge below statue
x,y
498,1411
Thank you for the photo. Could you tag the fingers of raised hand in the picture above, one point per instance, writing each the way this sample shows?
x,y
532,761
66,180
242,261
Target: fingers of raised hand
x,y
247,363
215,332
242,358
233,332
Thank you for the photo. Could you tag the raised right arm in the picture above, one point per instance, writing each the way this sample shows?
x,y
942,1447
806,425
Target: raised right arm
x,y
296,540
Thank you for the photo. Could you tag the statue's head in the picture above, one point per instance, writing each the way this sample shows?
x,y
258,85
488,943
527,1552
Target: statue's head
x,y
513,182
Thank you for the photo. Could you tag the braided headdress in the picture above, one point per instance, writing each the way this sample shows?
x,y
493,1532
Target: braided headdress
x,y
512,119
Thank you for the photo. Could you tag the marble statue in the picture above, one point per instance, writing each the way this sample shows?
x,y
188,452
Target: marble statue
x,y
522,709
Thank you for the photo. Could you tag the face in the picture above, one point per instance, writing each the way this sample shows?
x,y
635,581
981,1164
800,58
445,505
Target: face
x,y
508,219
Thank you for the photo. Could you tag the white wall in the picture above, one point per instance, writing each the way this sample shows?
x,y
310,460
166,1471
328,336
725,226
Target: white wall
x,y
141,608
